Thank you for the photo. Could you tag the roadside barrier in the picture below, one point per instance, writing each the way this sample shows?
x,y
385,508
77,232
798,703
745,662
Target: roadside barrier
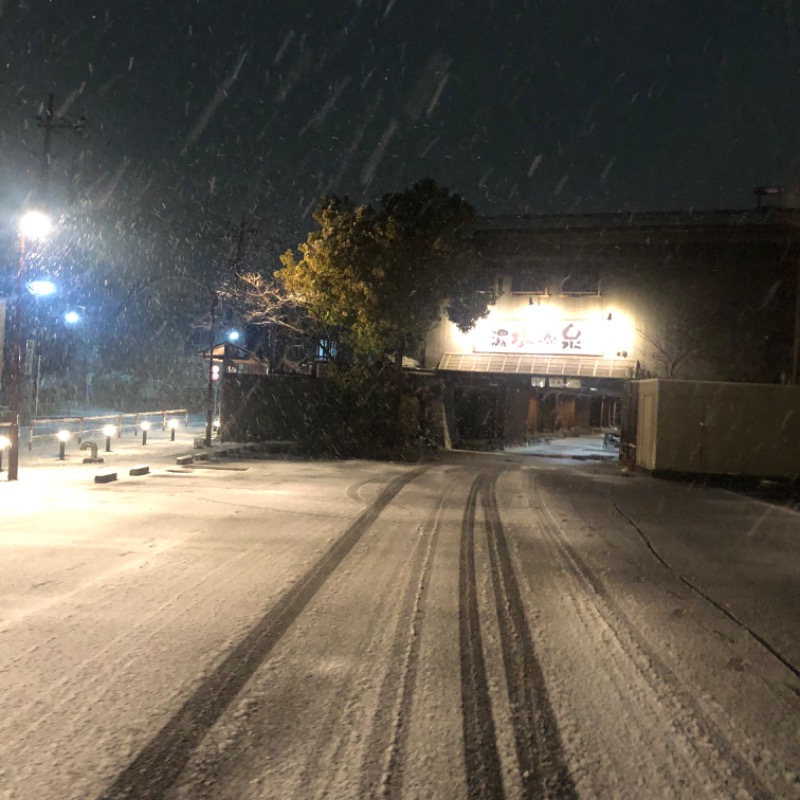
x,y
80,427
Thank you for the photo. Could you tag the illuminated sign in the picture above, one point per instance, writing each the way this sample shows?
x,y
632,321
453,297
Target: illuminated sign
x,y
583,337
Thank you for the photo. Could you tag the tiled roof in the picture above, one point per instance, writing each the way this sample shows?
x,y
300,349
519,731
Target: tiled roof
x,y
646,219
567,366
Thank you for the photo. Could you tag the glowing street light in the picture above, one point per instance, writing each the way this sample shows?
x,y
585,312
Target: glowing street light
x,y
72,317
145,426
173,426
42,288
63,438
233,336
33,226
109,431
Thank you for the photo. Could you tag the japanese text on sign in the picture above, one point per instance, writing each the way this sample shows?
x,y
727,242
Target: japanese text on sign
x,y
567,337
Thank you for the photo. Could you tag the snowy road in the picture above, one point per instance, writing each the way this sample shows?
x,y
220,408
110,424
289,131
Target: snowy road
x,y
479,627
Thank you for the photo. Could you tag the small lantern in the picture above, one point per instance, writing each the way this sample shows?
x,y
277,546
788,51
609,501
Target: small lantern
x,y
109,431
63,438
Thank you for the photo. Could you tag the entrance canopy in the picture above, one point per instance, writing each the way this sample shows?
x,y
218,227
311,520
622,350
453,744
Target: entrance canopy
x,y
511,364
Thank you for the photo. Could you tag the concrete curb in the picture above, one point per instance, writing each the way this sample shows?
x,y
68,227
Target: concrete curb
x,y
105,476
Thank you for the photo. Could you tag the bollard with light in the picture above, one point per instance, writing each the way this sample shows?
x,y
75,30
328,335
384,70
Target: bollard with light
x,y
63,438
173,426
33,225
145,426
5,443
109,431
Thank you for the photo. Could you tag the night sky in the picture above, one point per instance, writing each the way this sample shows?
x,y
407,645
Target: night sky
x,y
199,112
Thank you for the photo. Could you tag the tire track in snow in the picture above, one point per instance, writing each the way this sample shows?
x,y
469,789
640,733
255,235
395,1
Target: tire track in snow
x,y
154,622
540,755
397,692
720,761
481,756
541,761
159,764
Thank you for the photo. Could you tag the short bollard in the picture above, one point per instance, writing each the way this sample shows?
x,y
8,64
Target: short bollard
x,y
5,443
173,426
63,438
145,426
109,431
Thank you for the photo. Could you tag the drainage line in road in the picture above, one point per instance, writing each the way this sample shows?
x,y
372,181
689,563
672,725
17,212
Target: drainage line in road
x,y
731,616
157,767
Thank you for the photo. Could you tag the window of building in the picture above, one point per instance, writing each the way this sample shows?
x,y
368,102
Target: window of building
x,y
529,281
585,281
326,349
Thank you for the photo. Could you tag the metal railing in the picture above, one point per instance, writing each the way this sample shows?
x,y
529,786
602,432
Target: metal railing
x,y
80,427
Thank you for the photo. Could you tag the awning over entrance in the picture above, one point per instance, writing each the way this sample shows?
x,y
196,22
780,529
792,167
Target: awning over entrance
x,y
510,364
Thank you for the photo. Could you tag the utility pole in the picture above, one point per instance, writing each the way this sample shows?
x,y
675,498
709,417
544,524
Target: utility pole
x,y
46,122
49,122
796,346
210,397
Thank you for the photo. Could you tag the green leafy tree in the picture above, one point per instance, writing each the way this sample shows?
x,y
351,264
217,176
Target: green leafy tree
x,y
386,276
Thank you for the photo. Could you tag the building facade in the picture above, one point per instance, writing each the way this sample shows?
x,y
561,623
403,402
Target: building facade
x,y
585,303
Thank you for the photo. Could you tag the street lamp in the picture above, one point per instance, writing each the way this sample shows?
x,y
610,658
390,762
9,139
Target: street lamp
x,y
63,438
33,226
210,397
145,426
173,426
109,431
42,288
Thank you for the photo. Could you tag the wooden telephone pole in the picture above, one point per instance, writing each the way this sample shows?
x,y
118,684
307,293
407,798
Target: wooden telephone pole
x,y
49,122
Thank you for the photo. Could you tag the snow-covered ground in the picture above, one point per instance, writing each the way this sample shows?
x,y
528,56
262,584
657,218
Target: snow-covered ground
x,y
487,626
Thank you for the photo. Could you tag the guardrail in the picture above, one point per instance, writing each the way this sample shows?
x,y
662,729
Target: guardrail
x,y
46,427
